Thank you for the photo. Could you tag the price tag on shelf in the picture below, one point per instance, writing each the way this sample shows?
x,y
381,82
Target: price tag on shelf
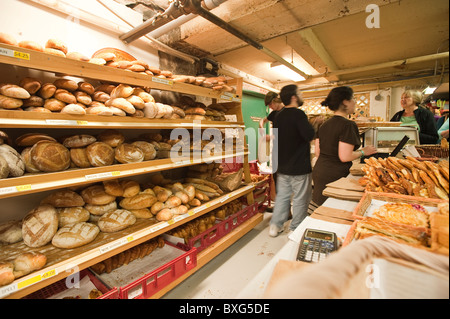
x,y
15,54
15,189
116,244
37,278
102,175
162,81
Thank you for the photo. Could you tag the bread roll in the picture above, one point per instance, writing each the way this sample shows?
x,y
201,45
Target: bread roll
x,y
98,61
136,68
111,137
6,273
79,140
150,110
164,215
83,97
77,56
96,195
146,97
107,56
117,112
137,102
56,44
26,263
122,91
147,148
7,39
14,91
172,201
122,104
75,236
107,88
32,85
99,210
138,201
98,108
130,188
143,213
54,105
38,109
79,157
77,109
65,96
48,156
47,90
10,103
66,84
86,87
63,198
33,101
39,226
101,96
156,207
32,45
113,187
11,232
128,153
124,64
12,157
68,216
116,220
100,154
55,52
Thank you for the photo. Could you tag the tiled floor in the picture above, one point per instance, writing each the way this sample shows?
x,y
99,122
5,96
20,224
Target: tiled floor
x,y
230,271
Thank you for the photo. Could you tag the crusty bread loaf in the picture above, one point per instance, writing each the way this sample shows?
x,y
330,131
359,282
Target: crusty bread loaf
x,y
138,201
14,91
68,216
10,103
66,84
39,226
99,109
147,148
117,112
111,137
47,90
56,44
32,45
121,103
7,39
26,158
4,168
65,96
33,101
11,232
77,109
55,52
100,154
99,210
107,88
54,105
79,157
76,235
143,213
83,97
29,139
116,220
113,187
63,198
137,102
48,156
28,262
6,273
146,97
130,188
128,153
79,140
12,157
86,87
96,195
122,90
32,85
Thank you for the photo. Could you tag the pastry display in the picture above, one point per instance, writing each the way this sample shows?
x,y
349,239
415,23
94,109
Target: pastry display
x,y
403,213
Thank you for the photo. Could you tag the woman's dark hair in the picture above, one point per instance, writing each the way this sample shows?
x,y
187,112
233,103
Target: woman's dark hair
x,y
287,92
337,96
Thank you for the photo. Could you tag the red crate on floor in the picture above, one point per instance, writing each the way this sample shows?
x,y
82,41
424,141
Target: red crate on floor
x,y
159,278
235,220
61,285
206,238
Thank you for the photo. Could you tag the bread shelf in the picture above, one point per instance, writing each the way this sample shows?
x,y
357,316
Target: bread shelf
x,y
61,263
47,62
33,183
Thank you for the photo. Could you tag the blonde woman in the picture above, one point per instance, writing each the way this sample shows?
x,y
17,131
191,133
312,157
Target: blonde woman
x,y
415,115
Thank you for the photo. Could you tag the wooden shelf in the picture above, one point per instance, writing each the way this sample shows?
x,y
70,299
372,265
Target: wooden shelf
x,y
61,263
47,62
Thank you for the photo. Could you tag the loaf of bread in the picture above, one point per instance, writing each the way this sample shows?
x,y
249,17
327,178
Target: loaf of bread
x,y
83,97
66,84
33,101
86,87
77,56
121,91
99,210
100,154
26,158
77,109
111,137
137,102
76,235
32,45
116,220
11,232
6,273
32,85
48,156
65,96
63,198
107,88
98,109
15,163
39,226
4,168
146,97
10,103
68,216
130,188
128,153
79,140
7,39
28,262
138,201
29,139
54,104
55,52
147,148
56,44
113,187
96,195
47,90
143,213
79,157
122,104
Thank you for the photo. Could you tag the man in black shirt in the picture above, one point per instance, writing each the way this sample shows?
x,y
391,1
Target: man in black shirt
x,y
293,133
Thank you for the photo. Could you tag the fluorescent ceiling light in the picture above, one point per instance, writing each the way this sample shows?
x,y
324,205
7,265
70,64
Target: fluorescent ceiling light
x,y
429,90
284,71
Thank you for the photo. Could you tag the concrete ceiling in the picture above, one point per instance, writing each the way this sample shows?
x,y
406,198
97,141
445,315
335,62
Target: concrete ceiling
x,y
318,36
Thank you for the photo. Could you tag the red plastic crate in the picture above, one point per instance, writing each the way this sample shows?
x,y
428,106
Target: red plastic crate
x,y
233,221
60,286
159,278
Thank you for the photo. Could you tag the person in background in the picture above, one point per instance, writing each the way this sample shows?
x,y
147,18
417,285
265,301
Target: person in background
x,y
294,134
444,131
337,142
417,116
442,119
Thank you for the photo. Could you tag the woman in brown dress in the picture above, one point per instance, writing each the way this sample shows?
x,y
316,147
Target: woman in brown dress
x,y
337,143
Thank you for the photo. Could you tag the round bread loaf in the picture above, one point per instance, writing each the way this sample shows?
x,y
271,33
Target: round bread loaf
x,y
100,154
4,168
96,195
128,153
32,45
63,198
116,220
130,188
77,109
147,148
79,157
7,38
39,226
29,167
138,201
48,156
56,44
29,139
75,236
113,187
111,137
99,210
80,140
68,216
11,232
13,159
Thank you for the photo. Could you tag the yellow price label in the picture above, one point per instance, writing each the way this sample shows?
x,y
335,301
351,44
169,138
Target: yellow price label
x,y
170,222
130,238
22,188
115,173
191,212
36,279
82,122
21,55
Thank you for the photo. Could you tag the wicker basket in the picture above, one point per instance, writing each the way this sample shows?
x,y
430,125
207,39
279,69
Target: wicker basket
x,y
432,151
